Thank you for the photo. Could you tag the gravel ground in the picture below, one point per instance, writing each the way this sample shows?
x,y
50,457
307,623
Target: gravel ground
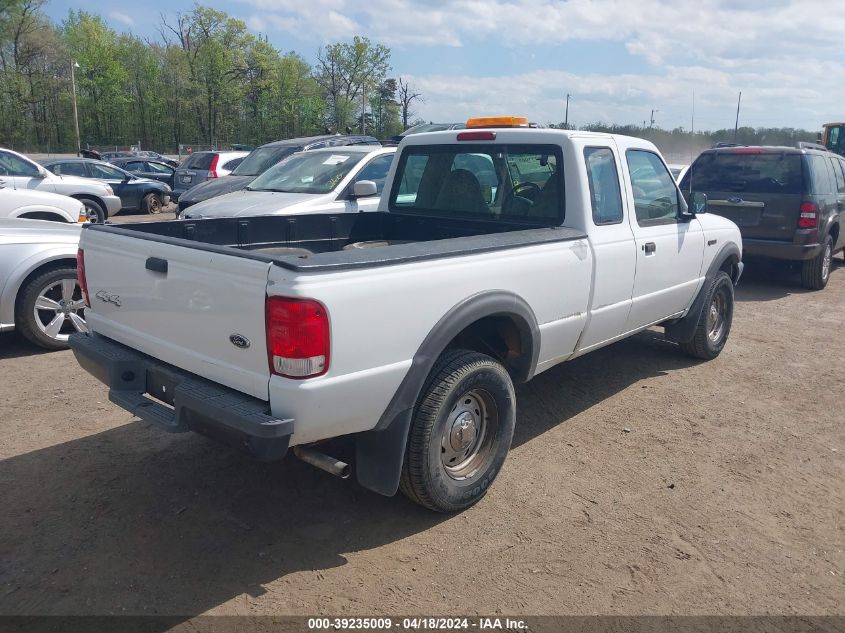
x,y
639,482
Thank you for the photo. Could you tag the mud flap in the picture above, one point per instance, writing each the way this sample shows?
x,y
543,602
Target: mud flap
x,y
379,455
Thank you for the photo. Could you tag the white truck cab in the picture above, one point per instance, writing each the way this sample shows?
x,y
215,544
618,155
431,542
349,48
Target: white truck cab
x,y
497,252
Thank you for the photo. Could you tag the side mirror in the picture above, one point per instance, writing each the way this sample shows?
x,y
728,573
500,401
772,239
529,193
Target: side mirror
x,y
364,189
698,203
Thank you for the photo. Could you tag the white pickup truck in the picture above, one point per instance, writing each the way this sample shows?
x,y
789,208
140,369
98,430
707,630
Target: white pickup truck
x,y
497,253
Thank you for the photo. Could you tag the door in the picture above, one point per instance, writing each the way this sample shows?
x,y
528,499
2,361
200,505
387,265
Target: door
x,y
123,188
376,170
614,248
669,249
19,173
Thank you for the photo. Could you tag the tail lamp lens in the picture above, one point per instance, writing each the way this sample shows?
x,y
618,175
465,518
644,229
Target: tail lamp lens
x,y
80,275
298,340
809,217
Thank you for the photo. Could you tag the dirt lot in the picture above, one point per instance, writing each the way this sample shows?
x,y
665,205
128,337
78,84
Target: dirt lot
x,y
640,482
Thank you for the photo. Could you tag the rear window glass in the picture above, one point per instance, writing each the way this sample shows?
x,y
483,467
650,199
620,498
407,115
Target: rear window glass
x,y
201,160
495,182
749,173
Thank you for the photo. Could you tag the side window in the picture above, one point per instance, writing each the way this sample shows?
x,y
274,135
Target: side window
x,y
821,174
605,195
161,168
376,171
411,177
839,175
11,165
134,166
72,169
105,173
230,165
655,193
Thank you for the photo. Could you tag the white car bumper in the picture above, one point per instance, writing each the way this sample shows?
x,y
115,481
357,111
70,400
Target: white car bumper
x,y
113,204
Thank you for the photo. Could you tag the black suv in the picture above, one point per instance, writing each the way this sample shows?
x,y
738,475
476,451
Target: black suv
x,y
788,202
261,159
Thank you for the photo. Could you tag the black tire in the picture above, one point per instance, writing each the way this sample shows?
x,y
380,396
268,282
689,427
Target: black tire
x,y
152,203
815,272
712,330
24,310
483,390
94,211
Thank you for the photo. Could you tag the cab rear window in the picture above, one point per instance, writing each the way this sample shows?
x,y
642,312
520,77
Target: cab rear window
x,y
495,182
745,173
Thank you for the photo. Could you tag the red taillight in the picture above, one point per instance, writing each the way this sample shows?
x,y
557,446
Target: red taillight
x,y
477,136
809,217
212,169
80,275
297,337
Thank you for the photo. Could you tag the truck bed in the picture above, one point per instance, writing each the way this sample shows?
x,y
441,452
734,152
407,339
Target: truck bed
x,y
343,241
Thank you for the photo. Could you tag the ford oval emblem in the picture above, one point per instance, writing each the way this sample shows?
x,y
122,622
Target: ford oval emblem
x,y
239,340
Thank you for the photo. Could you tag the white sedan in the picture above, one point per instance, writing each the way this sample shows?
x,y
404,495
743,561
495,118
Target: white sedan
x,y
331,180
40,205
40,295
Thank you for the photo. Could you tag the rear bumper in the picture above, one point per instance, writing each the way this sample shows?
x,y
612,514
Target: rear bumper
x,y
145,387
780,250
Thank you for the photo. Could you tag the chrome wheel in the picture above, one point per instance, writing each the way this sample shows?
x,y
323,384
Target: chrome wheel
x,y
60,309
716,317
468,434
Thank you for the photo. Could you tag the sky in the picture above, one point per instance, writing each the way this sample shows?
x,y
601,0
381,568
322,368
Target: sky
x,y
686,60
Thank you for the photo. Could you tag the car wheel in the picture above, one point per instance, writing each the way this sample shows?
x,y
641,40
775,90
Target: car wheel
x,y
714,322
152,203
816,272
93,211
460,433
51,306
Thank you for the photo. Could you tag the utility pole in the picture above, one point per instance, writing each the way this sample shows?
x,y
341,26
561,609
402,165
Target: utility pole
x,y
364,107
652,117
566,119
692,122
736,125
73,65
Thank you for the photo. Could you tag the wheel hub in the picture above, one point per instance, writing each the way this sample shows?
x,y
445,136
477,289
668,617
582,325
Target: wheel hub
x,y
464,432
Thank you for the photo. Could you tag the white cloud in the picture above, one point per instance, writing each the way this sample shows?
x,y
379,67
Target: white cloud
x,y
785,55
123,18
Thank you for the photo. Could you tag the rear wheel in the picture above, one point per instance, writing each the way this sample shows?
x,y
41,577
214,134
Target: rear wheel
x,y
460,433
51,306
152,203
816,272
714,322
93,211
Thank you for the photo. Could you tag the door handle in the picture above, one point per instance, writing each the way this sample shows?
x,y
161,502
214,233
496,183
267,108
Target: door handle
x,y
649,247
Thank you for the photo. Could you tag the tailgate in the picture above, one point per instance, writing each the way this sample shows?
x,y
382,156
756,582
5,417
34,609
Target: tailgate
x,y
182,305
758,216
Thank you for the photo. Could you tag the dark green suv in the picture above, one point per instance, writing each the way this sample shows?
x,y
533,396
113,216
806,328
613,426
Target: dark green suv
x,y
788,202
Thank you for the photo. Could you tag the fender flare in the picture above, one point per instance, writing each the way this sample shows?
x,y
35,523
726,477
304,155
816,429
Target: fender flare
x,y
684,329
379,453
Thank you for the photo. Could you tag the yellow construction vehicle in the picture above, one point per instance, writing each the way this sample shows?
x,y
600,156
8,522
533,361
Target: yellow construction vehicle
x,y
833,137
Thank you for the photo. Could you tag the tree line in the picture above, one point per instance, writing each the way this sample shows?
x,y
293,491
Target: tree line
x,y
206,81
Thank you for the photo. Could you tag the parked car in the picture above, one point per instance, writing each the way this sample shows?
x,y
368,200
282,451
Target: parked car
x,y
677,171
261,159
40,295
202,166
19,172
405,329
329,180
155,156
788,202
136,194
40,205
148,168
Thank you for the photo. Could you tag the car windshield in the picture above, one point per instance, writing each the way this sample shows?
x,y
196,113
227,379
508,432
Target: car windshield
x,y
262,159
308,172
